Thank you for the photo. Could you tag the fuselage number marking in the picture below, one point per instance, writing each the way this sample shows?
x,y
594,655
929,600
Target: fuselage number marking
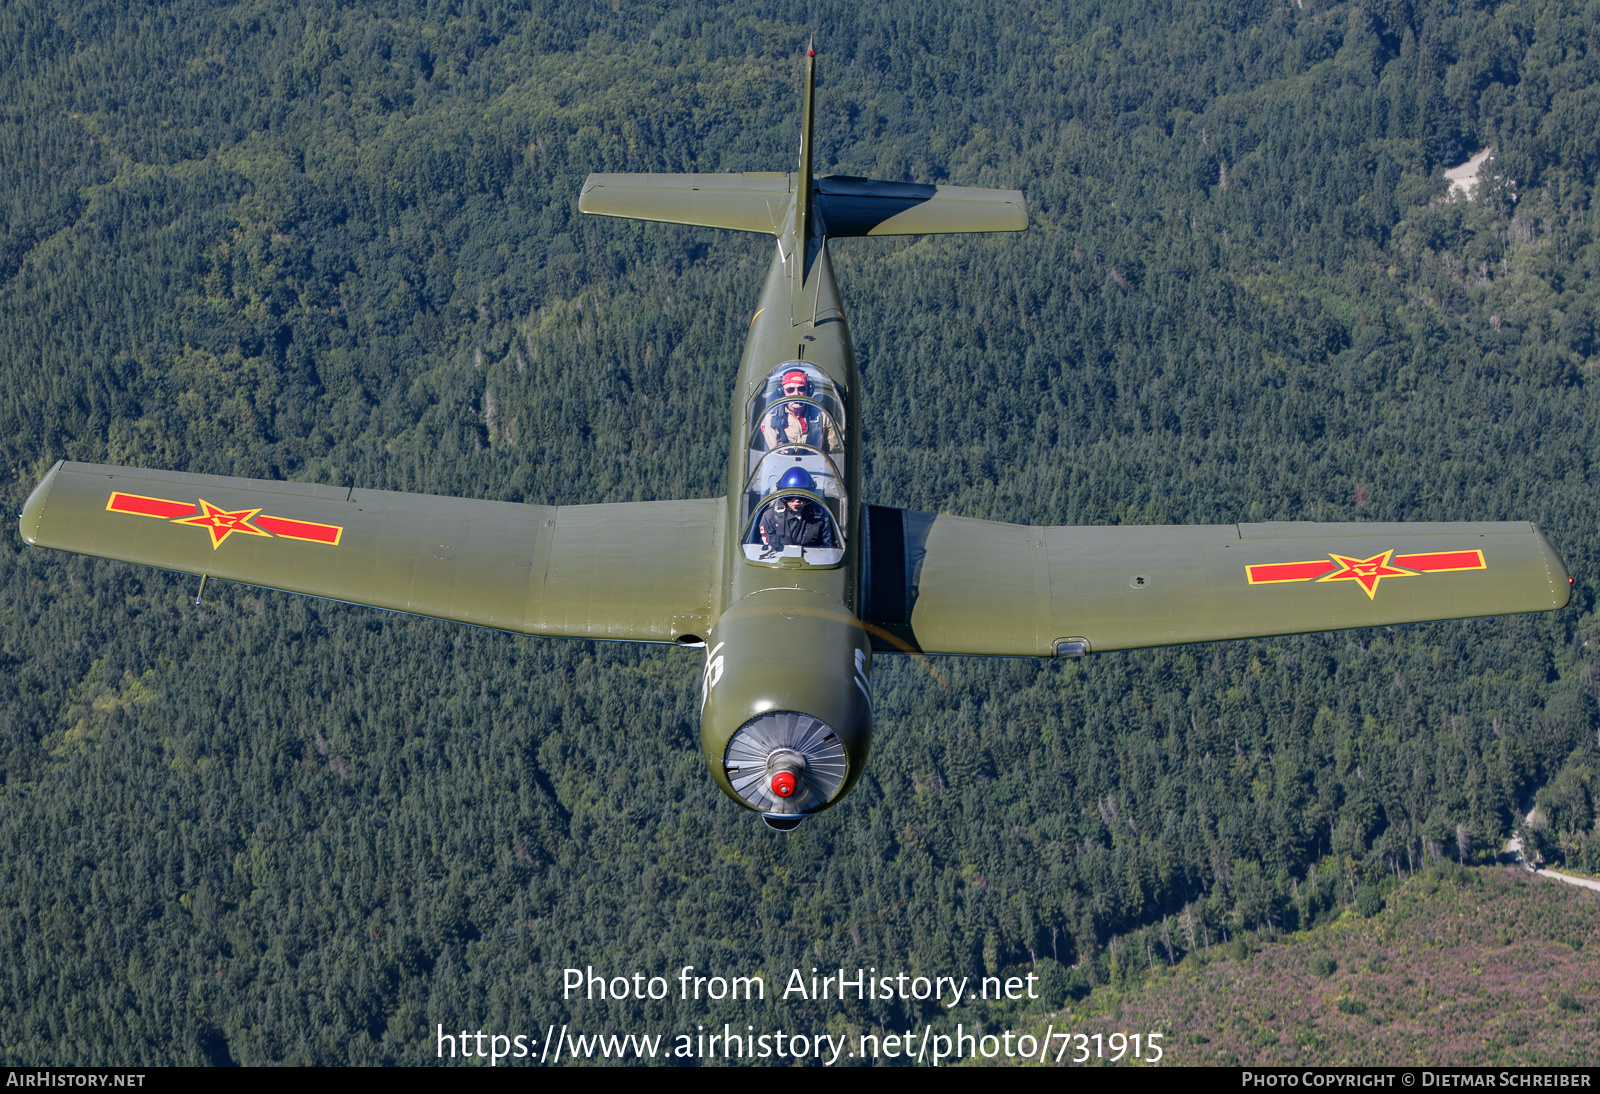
x,y
712,674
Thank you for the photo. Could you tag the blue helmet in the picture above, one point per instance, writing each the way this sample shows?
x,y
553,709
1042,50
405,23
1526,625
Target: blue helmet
x,y
797,478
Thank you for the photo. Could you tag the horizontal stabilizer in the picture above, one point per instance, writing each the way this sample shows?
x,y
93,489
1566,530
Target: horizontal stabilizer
x,y
864,207
754,201
943,584
762,202
634,571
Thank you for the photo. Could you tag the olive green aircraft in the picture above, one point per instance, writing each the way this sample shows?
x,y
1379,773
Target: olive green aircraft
x,y
790,582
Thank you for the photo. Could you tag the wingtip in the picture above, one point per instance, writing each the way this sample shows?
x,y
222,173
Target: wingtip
x,y
32,514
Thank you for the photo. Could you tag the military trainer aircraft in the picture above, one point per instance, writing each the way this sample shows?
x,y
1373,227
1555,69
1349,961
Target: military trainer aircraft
x,y
790,582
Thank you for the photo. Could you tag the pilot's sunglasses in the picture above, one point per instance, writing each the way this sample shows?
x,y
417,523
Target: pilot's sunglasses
x,y
793,389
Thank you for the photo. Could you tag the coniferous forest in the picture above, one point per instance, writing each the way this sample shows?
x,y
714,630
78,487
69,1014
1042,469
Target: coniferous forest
x,y
340,244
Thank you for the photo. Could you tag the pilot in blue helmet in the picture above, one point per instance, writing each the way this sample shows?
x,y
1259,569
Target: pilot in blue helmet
x,y
795,520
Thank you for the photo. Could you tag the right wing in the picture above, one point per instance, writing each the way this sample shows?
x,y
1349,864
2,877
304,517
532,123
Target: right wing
x,y
634,571
942,584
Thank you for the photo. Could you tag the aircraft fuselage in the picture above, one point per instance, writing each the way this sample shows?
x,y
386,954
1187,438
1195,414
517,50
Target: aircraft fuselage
x,y
787,636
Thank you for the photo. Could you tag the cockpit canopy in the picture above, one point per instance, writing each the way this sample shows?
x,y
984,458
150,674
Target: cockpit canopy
x,y
797,381
796,451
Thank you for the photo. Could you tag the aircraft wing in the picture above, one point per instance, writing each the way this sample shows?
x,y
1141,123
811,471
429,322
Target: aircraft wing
x,y
943,584
635,571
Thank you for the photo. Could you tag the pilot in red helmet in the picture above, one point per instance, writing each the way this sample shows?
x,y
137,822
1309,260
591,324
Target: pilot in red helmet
x,y
792,422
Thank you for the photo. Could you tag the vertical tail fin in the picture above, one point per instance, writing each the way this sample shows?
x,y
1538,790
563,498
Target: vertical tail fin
x,y
793,207
802,213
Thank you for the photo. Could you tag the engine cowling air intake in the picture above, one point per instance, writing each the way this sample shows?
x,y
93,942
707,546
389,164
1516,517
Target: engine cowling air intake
x,y
786,764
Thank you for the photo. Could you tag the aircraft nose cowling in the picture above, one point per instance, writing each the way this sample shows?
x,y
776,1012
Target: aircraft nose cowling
x,y
784,763
786,721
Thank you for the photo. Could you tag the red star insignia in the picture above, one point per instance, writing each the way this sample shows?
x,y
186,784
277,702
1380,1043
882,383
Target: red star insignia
x,y
1367,571
222,524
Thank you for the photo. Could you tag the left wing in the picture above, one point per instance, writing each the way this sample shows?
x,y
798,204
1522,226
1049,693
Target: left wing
x,y
942,584
635,571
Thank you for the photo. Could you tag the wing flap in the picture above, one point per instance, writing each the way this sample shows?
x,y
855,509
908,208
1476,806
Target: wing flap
x,y
639,571
985,588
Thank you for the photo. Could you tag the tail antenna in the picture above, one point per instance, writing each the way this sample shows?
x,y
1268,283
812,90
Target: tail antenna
x,y
803,204
806,117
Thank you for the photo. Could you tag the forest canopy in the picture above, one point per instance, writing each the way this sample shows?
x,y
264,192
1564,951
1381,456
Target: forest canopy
x,y
340,244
